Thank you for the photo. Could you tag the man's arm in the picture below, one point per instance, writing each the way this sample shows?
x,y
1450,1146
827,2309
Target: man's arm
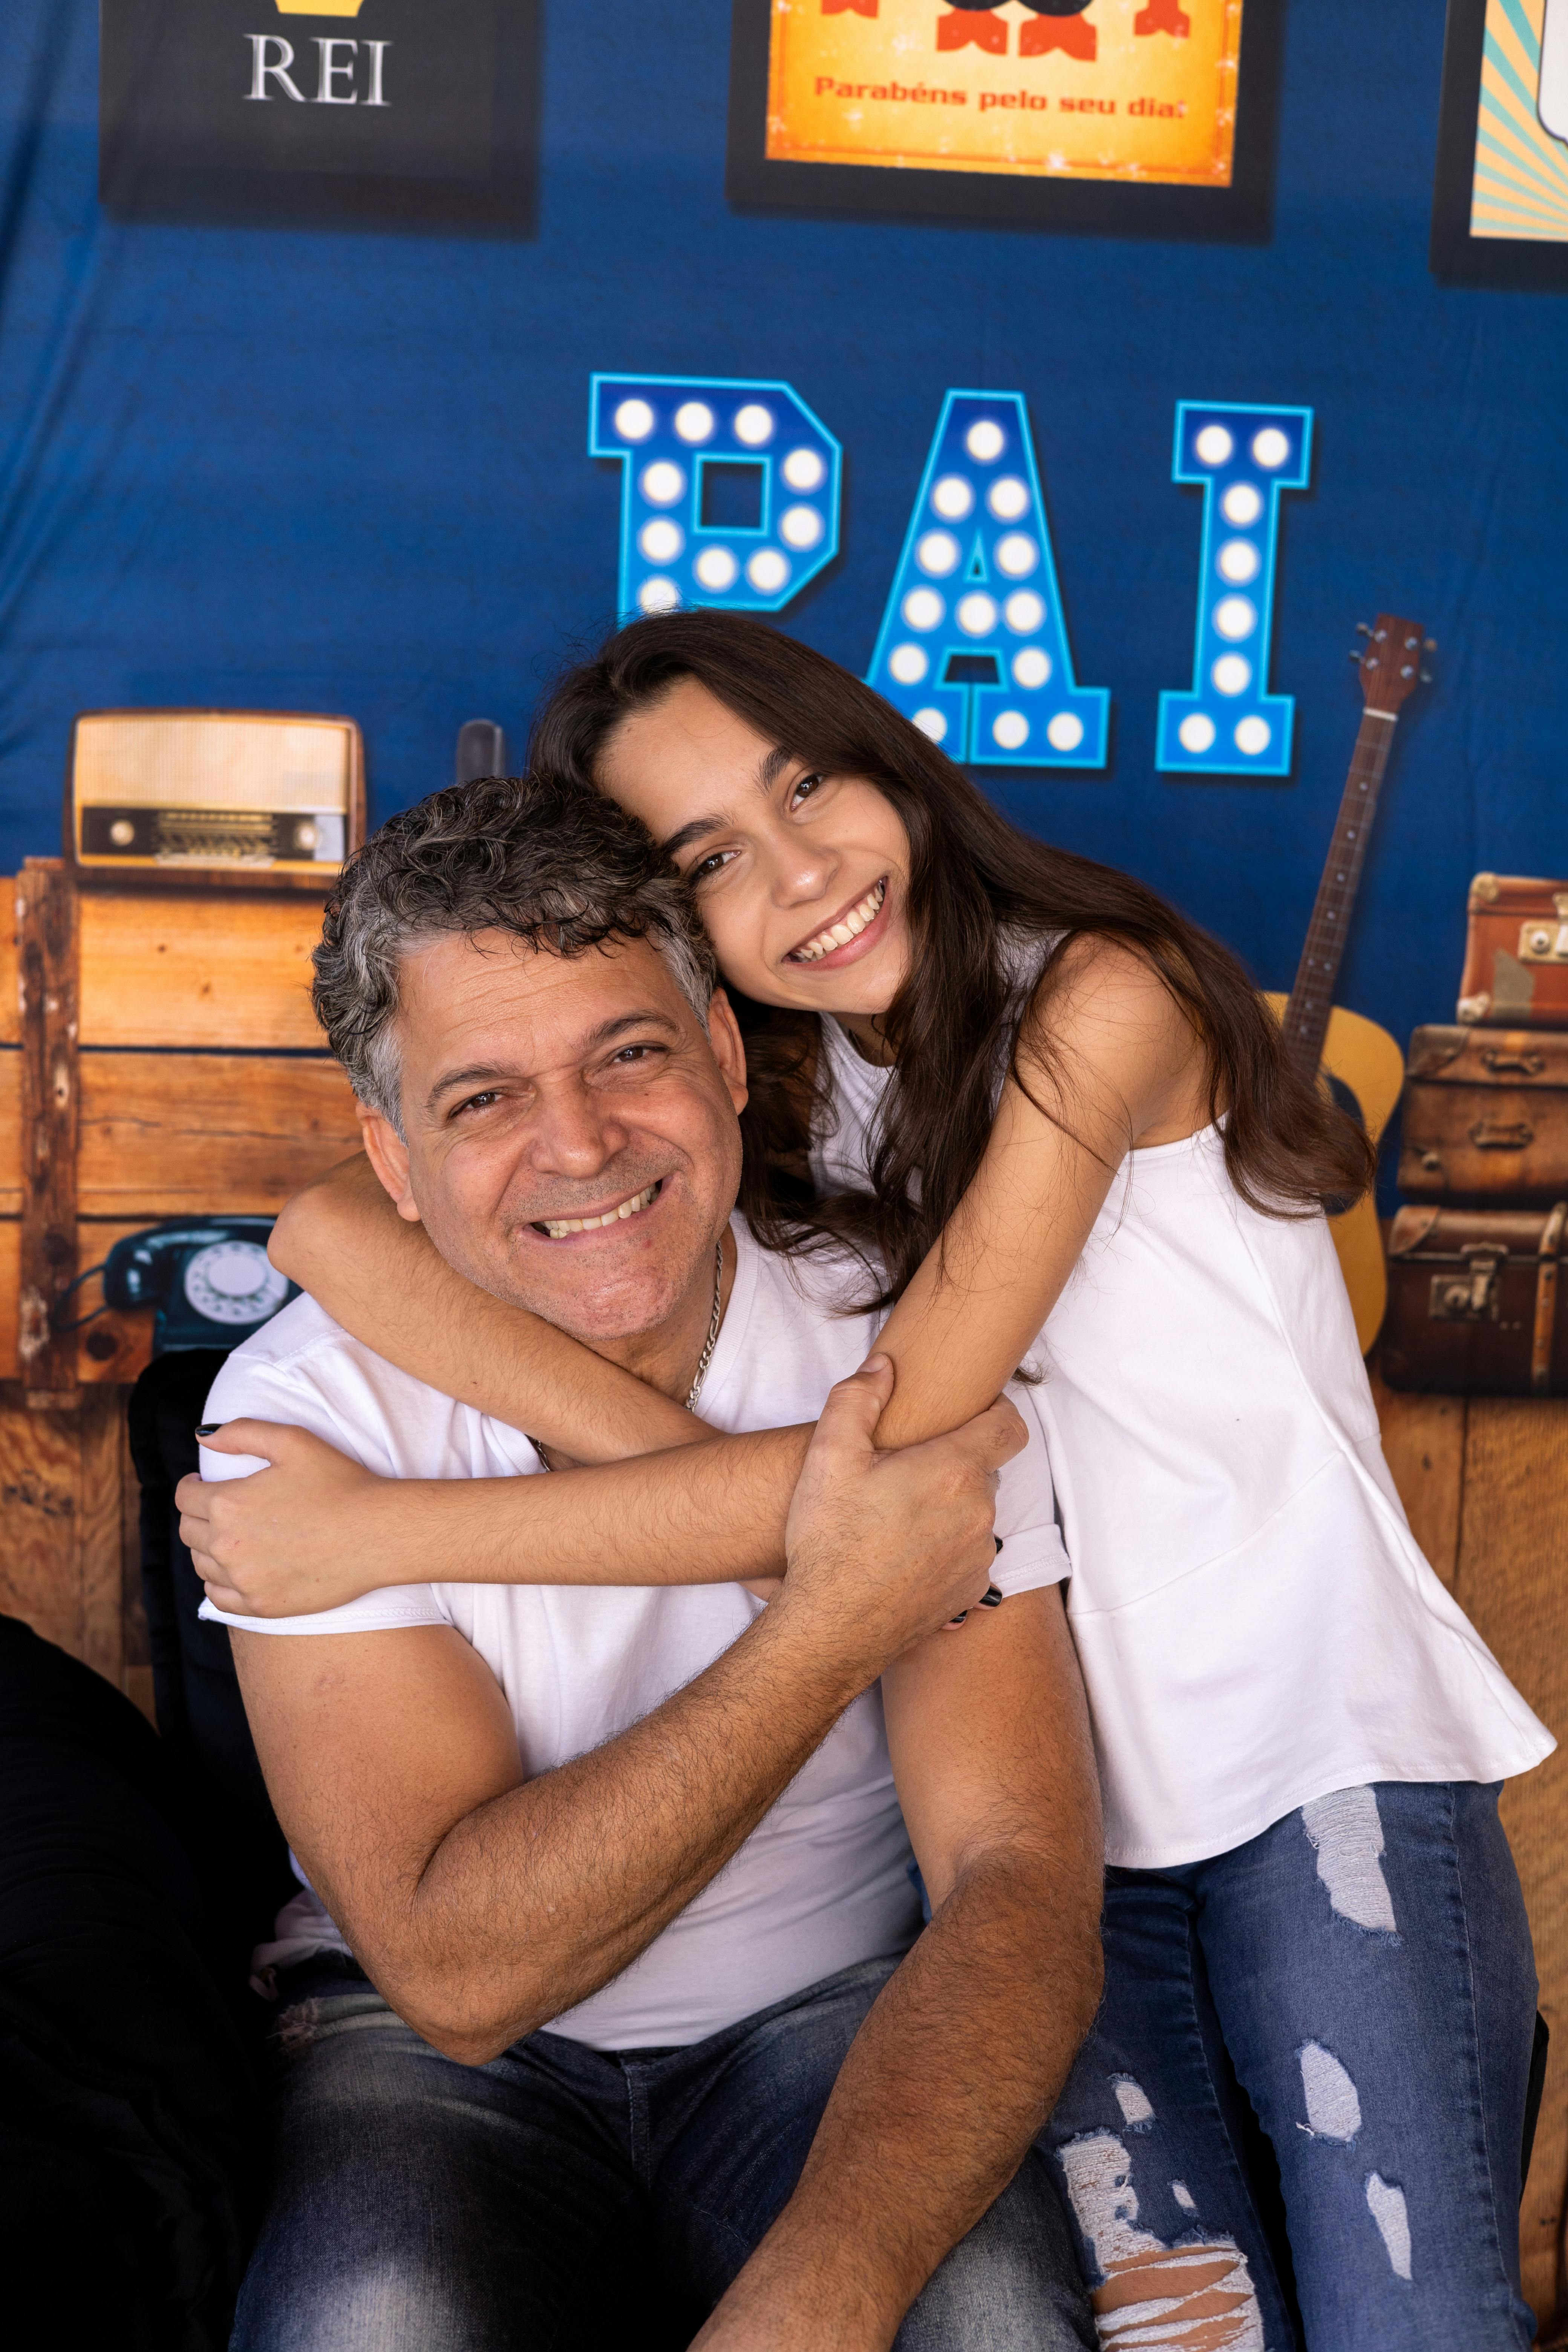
x,y
961,2060
483,1903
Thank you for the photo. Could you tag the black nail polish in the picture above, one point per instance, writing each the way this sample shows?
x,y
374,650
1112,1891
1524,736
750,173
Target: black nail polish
x,y
960,1618
208,1428
997,1542
993,1599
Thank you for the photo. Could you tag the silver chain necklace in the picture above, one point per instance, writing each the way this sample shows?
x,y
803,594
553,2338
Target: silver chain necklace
x,y
706,1357
704,1360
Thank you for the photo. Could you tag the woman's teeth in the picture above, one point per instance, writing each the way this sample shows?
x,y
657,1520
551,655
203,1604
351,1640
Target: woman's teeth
x,y
558,1227
841,933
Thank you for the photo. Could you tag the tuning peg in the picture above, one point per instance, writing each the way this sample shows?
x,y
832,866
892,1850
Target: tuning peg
x,y
1426,677
1429,644
1364,628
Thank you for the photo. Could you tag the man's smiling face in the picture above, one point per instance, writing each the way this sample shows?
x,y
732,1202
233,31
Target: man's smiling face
x,y
573,1143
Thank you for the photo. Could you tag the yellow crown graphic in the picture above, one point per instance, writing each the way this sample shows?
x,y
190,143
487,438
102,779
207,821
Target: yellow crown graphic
x,y
320,7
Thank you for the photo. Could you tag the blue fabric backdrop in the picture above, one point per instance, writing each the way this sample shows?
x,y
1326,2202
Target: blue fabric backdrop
x,y
346,472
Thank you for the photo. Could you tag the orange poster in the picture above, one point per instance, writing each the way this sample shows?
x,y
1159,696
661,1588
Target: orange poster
x,y
1115,89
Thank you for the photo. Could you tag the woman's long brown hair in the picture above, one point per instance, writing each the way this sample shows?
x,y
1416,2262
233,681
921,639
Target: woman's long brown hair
x,y
973,878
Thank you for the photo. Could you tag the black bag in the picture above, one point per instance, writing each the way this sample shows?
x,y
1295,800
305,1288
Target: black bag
x,y
130,2121
247,1874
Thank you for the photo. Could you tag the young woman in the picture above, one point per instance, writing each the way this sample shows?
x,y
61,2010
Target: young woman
x,y
1061,1119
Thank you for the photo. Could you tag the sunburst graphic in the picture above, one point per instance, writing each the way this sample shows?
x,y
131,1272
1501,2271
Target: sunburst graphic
x,y
1520,187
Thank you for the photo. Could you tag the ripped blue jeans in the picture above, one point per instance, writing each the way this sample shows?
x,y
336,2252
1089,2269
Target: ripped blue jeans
x,y
1359,1982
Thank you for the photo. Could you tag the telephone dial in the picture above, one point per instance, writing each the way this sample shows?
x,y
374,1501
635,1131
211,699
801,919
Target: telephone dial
x,y
209,1279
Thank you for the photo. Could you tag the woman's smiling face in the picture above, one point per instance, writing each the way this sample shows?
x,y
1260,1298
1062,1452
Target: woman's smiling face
x,y
802,876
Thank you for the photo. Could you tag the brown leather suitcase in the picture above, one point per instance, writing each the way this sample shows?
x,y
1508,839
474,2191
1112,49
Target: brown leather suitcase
x,y
1473,1300
1516,953
1484,1118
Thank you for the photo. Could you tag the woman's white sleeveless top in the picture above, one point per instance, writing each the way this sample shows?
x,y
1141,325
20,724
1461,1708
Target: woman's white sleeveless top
x,y
1255,1623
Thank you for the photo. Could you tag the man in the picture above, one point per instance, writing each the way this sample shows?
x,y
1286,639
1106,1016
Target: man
x,y
608,1975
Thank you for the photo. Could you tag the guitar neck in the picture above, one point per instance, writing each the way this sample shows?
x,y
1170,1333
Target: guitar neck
x,y
1311,997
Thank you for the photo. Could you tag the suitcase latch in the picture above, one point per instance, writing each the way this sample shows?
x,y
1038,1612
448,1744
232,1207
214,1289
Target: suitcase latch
x,y
1544,942
1471,1297
1525,1064
1502,1135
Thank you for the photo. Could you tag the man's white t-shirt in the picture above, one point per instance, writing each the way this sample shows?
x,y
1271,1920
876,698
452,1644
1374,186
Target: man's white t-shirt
x,y
824,1881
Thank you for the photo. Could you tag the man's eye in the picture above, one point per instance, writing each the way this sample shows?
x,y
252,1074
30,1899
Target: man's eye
x,y
480,1102
629,1055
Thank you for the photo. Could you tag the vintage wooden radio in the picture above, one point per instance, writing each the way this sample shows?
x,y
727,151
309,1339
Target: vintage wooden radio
x,y
264,800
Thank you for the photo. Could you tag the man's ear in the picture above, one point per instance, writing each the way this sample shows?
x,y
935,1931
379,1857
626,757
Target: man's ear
x,y
729,1047
388,1155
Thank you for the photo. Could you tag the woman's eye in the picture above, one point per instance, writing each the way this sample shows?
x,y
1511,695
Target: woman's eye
x,y
709,866
803,787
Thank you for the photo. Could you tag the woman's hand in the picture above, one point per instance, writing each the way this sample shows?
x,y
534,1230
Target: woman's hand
x,y
290,1540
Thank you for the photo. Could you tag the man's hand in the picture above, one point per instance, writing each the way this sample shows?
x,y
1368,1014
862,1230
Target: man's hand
x,y
295,1537
883,1548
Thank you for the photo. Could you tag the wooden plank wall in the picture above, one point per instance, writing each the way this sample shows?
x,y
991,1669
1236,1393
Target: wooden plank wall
x,y
1485,1481
203,1087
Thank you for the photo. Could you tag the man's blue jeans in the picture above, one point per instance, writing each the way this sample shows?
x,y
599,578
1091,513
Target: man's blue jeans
x,y
555,2197
1362,1974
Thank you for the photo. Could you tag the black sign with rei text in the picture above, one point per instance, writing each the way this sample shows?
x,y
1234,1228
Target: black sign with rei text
x,y
393,112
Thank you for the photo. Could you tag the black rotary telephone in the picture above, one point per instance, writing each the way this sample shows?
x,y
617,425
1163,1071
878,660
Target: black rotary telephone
x,y
209,1279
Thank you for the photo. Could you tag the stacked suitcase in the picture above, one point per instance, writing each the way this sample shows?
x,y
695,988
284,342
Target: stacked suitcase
x,y
1474,1256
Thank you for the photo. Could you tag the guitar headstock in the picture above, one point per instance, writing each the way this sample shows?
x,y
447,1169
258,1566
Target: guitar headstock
x,y
1389,664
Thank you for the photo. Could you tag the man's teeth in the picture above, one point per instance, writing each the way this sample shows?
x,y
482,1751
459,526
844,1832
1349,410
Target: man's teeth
x,y
556,1227
841,933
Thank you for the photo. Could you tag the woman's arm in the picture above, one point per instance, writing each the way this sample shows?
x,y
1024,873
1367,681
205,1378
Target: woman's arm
x,y
1126,1069
315,1529
341,1239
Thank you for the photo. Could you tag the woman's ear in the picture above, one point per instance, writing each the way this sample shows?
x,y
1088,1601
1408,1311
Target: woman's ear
x,y
729,1048
388,1155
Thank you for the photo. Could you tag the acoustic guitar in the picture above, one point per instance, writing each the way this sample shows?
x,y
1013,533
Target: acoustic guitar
x,y
1352,1059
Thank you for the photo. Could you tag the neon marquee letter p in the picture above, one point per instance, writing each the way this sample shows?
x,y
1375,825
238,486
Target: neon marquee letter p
x,y
678,438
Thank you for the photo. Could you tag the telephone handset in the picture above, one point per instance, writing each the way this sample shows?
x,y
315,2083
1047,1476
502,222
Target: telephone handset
x,y
209,1279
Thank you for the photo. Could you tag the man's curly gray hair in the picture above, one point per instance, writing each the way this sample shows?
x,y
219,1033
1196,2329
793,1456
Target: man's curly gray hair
x,y
555,865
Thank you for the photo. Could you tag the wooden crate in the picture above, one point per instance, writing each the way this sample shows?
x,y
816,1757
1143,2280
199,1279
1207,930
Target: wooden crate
x,y
70,1563
201,1086
199,1083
